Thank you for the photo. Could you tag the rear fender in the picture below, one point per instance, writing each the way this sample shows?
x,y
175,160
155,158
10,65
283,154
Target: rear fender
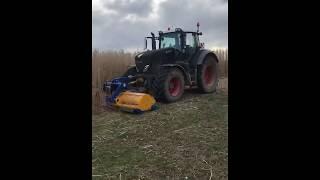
x,y
203,54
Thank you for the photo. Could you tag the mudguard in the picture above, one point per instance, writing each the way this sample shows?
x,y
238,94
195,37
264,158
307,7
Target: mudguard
x,y
200,56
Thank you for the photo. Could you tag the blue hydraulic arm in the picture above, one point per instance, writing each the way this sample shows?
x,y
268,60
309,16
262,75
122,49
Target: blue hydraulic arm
x,y
115,87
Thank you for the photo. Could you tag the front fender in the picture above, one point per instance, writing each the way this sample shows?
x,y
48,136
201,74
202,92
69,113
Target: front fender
x,y
186,75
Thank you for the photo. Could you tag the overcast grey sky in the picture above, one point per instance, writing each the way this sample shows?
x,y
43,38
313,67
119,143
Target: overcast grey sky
x,y
122,24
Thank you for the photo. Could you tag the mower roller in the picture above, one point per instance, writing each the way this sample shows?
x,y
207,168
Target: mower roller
x,y
162,74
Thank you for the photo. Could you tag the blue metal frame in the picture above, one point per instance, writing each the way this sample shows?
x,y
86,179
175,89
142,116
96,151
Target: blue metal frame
x,y
116,86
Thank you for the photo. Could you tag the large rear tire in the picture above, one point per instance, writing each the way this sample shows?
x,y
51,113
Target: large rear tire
x,y
168,86
208,75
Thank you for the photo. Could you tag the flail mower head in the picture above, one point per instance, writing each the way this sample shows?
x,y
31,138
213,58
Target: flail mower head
x,y
124,96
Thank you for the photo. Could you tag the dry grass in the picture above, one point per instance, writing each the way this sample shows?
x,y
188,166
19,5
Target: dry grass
x,y
105,66
223,64
109,64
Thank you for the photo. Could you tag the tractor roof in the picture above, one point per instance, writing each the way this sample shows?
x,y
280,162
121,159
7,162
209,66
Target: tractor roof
x,y
177,30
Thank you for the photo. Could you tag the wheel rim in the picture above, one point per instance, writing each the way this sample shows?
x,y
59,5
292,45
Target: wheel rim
x,y
208,75
174,86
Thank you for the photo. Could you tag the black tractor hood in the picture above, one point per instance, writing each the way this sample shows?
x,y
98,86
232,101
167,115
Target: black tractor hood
x,y
153,58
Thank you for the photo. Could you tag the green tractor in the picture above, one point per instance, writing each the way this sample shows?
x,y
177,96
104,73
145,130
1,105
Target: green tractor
x,y
179,61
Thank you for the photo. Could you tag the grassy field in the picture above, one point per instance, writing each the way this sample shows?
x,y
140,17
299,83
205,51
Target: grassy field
x,y
183,140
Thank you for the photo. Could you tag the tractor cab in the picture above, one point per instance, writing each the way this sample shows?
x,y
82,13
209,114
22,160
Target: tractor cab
x,y
185,42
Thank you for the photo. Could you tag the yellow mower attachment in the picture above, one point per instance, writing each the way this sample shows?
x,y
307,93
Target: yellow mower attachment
x,y
133,101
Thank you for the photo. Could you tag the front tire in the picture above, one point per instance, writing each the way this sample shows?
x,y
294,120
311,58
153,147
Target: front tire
x,y
169,84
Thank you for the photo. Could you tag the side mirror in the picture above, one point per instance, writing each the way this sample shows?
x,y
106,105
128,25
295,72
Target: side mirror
x,y
146,43
153,41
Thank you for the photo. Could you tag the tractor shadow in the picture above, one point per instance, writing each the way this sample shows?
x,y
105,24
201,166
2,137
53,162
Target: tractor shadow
x,y
192,92
189,93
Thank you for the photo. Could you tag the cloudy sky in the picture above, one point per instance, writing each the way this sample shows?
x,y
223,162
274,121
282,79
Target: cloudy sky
x,y
123,24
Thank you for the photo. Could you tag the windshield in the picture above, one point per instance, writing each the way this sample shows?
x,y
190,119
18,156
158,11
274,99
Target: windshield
x,y
170,40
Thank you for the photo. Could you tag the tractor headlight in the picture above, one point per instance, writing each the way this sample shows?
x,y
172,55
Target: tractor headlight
x,y
145,69
140,55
